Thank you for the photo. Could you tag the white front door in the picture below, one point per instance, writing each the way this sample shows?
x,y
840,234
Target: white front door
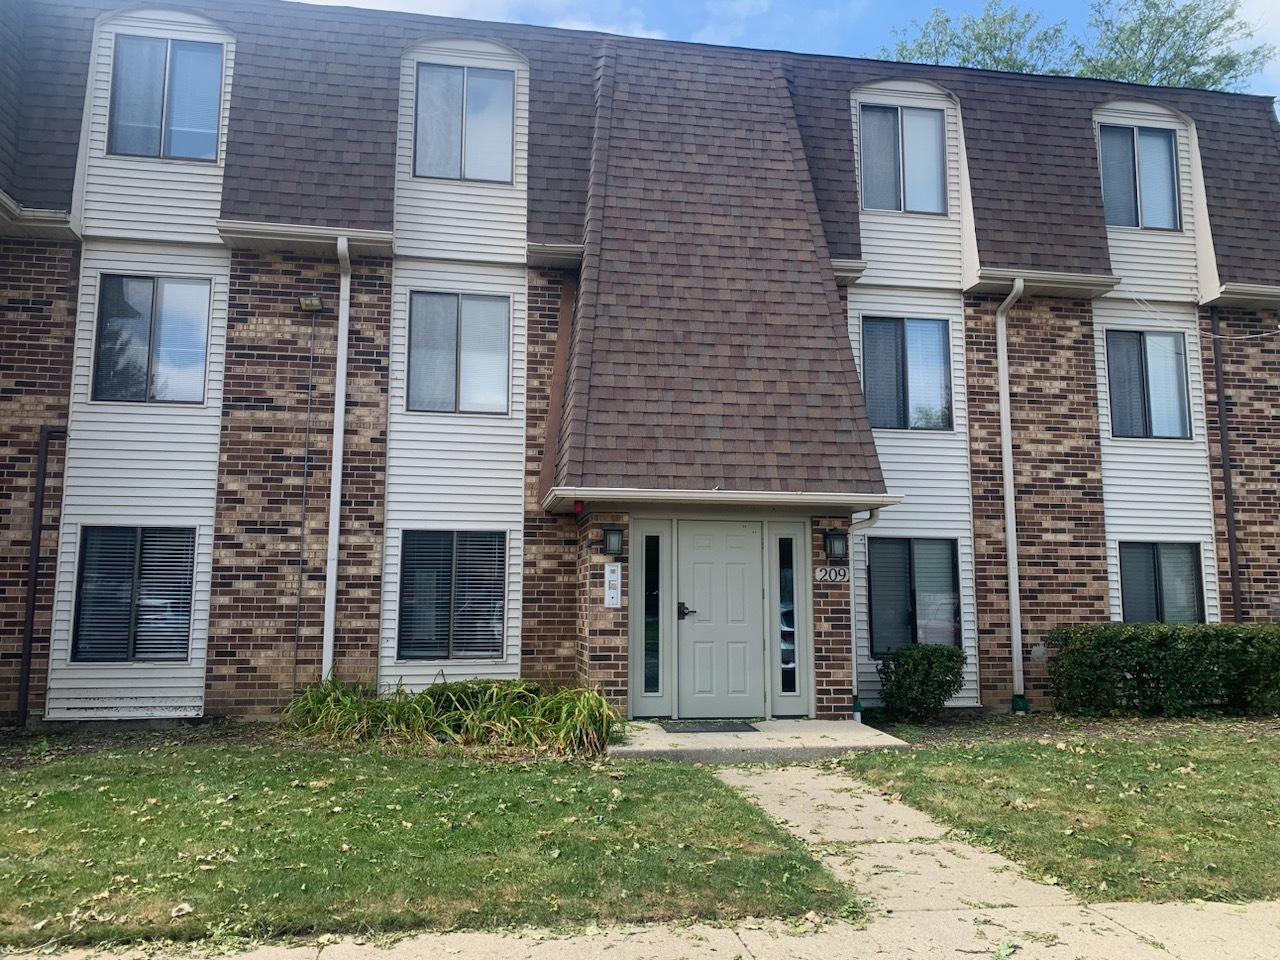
x,y
720,630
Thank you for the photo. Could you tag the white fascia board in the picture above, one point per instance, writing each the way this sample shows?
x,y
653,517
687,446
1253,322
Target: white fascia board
x,y
1044,283
1246,295
17,220
848,271
302,237
555,254
562,499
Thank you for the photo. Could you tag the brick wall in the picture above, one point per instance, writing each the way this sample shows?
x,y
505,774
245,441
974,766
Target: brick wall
x,y
549,633
38,291
1057,476
1251,373
603,632
272,506
832,631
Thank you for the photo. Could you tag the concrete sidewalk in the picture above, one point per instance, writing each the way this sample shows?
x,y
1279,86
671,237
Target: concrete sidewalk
x,y
769,741
934,898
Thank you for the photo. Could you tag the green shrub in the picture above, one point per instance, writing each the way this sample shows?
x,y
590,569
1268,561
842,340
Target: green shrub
x,y
917,680
1166,669
493,714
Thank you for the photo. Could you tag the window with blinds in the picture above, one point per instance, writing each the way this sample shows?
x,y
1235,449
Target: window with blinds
x,y
1147,380
1139,176
1161,582
452,594
906,373
914,593
165,98
904,158
458,353
465,123
151,339
133,600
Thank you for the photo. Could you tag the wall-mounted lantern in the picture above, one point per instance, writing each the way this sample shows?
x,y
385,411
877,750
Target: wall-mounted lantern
x,y
836,544
612,545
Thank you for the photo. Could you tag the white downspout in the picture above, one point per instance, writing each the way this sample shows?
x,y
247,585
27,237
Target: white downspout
x,y
1010,493
872,516
335,467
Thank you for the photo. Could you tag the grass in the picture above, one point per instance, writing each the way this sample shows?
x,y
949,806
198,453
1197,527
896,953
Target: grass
x,y
153,837
501,716
1168,812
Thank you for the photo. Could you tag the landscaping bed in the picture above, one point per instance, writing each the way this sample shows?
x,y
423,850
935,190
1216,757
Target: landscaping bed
x,y
213,831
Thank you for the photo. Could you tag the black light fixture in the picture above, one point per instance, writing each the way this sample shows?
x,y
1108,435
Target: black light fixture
x,y
612,543
836,544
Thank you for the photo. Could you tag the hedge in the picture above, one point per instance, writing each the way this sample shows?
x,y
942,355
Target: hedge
x,y
1166,669
918,679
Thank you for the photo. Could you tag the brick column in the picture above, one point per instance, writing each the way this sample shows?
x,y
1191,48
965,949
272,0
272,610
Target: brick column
x,y
39,288
832,631
603,632
1057,477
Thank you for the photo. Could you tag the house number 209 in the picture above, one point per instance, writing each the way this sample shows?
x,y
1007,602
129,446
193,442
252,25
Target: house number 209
x,y
831,574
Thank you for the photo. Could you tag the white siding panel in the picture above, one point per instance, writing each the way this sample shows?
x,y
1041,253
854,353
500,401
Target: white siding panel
x,y
1156,264
147,198
1156,490
453,471
456,219
930,469
911,249
138,464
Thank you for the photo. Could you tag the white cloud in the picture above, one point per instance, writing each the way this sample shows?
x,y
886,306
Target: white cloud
x,y
602,15
727,20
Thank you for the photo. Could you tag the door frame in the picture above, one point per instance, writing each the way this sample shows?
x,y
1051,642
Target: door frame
x,y
664,531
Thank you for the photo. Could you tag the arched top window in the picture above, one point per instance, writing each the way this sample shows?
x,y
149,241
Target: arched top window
x,y
904,130
1142,153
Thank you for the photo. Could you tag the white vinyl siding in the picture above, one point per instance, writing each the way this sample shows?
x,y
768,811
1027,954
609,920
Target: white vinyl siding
x,y
930,469
472,220
453,471
144,465
908,249
1156,490
148,198
1156,264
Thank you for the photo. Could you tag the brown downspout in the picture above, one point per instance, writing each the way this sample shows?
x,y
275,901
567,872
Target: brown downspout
x,y
1228,477
47,434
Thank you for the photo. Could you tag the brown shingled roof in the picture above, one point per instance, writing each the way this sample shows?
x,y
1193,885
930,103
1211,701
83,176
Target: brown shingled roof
x,y
710,344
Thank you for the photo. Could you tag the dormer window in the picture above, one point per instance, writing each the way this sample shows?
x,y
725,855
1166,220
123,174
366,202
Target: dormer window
x,y
465,119
1139,176
904,160
165,98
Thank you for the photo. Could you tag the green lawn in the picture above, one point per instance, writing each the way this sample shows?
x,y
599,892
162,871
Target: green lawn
x,y
1165,815
157,837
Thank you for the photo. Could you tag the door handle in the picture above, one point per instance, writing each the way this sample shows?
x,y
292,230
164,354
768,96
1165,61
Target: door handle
x,y
683,611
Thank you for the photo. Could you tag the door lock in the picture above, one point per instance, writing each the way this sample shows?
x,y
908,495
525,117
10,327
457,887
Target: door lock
x,y
683,611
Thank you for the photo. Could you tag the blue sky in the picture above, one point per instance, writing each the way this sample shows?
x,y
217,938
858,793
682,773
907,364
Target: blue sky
x,y
843,27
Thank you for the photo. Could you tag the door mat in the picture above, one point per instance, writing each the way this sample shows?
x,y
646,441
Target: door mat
x,y
707,726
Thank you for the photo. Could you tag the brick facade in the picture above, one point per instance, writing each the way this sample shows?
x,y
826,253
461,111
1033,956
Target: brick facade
x,y
1062,562
549,631
266,622
832,632
602,632
1251,373
38,289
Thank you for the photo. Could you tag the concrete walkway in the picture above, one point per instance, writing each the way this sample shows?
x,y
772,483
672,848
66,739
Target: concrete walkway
x,y
934,898
770,741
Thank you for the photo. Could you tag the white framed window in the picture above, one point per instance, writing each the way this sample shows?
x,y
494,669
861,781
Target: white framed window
x,y
464,123
1139,176
452,595
903,158
151,339
165,98
459,346
1161,582
913,589
906,373
133,594
1147,380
